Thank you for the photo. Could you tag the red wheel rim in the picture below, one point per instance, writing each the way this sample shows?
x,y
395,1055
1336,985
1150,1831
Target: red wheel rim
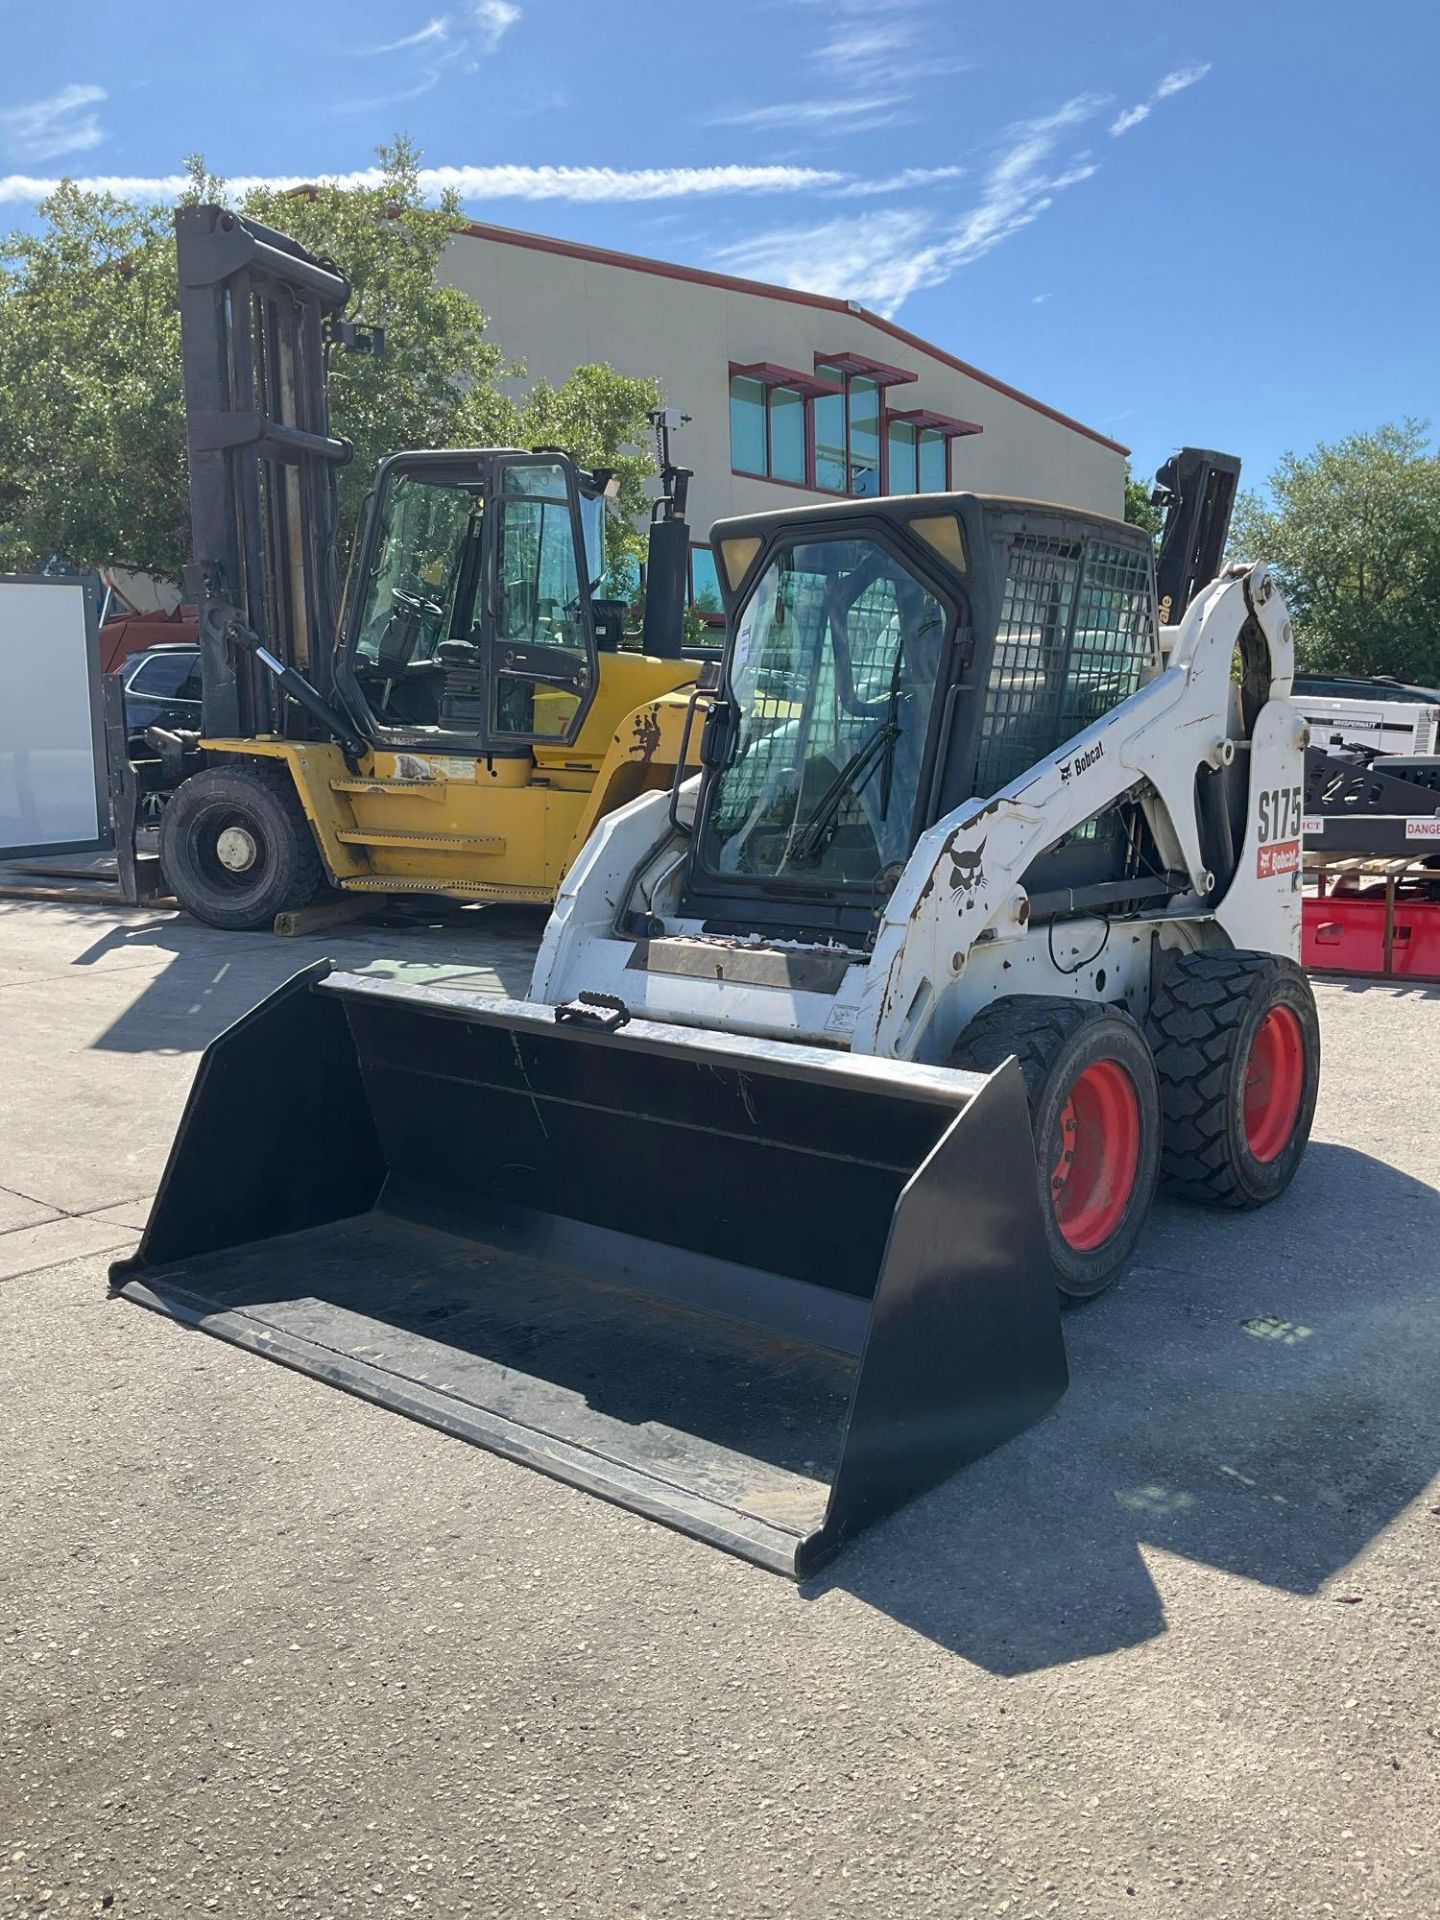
x,y
1274,1084
1094,1176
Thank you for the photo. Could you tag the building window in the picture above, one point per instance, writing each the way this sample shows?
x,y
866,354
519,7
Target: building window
x,y
767,430
902,457
748,437
784,426
864,397
831,470
705,584
934,462
847,434
787,435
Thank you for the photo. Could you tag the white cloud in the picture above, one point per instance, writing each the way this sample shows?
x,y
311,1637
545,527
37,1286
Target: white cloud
x,y
619,183
46,129
889,50
847,114
433,30
374,102
877,258
493,20
1172,83
882,258
881,45
1131,117
899,182
576,184
1039,299
1182,77
447,43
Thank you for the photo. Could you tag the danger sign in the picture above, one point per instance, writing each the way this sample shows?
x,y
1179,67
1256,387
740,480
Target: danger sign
x,y
1423,829
1281,856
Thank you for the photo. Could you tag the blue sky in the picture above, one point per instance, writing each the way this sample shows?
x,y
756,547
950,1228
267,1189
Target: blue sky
x,y
1213,223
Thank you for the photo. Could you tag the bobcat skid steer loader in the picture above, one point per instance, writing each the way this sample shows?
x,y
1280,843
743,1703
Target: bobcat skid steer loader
x,y
964,799
736,1222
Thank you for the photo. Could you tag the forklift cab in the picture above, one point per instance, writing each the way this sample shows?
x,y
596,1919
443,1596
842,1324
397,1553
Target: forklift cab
x,y
472,626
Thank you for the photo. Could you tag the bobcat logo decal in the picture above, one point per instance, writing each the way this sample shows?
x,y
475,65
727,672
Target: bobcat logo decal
x,y
967,873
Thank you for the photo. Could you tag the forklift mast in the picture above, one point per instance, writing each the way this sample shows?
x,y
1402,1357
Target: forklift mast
x,y
1197,490
257,315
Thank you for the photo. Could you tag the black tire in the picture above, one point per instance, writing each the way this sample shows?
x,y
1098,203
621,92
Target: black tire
x,y
258,802
1056,1042
1204,1022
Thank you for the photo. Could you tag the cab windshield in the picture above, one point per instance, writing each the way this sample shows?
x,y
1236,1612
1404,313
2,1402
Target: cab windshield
x,y
437,648
834,669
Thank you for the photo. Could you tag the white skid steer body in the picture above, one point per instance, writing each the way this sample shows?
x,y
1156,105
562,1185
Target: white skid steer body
x,y
960,927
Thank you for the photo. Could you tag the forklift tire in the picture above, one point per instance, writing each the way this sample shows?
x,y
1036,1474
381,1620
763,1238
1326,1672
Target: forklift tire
x,y
236,847
1095,1113
1237,1042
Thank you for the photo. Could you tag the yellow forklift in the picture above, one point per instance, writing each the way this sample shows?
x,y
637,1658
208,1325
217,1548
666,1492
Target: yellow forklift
x,y
457,728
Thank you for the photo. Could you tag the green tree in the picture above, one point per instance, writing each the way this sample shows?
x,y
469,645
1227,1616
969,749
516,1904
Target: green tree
x,y
1138,510
92,441
602,419
1353,531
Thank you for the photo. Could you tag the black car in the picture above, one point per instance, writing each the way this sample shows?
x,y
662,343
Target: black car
x,y
162,689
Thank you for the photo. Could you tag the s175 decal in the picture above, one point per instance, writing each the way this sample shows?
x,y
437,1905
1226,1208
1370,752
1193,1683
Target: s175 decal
x,y
1279,820
1279,811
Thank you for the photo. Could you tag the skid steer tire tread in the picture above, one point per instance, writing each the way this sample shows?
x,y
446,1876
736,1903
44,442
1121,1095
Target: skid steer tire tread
x,y
266,796
1202,1022
1052,1040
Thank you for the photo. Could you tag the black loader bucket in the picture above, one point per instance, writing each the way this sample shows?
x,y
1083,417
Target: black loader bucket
x,y
763,1293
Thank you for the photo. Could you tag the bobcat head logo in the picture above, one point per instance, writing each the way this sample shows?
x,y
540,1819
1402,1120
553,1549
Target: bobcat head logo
x,y
967,872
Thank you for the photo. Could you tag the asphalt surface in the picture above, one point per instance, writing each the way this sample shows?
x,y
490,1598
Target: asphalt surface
x,y
265,1649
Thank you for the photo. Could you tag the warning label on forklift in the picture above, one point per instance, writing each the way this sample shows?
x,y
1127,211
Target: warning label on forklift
x,y
1423,829
1281,856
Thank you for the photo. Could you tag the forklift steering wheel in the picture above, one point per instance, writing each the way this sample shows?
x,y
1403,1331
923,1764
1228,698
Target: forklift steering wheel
x,y
412,603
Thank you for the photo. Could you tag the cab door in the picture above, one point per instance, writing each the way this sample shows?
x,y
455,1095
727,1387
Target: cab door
x,y
542,658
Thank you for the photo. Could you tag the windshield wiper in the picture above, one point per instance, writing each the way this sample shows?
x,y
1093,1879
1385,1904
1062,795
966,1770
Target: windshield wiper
x,y
878,749
850,779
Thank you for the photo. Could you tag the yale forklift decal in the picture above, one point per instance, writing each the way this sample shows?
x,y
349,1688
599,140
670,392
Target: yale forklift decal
x,y
1280,823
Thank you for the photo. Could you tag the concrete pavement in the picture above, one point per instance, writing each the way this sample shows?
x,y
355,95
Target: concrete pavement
x,y
265,1649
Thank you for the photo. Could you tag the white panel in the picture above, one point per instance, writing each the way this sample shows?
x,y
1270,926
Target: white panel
x,y
47,737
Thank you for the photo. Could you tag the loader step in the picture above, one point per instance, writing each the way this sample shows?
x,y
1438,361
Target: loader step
x,y
414,789
459,889
423,842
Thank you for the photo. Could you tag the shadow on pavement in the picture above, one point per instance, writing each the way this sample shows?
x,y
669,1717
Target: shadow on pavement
x,y
1394,988
1259,1398
214,977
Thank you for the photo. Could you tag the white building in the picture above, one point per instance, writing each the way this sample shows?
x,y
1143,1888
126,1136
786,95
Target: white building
x,y
787,392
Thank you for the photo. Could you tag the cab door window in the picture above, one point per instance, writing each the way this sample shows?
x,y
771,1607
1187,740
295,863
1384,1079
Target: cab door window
x,y
418,605
543,646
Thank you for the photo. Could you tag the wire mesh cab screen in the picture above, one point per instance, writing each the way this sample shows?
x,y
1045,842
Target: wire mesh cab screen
x,y
1075,636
